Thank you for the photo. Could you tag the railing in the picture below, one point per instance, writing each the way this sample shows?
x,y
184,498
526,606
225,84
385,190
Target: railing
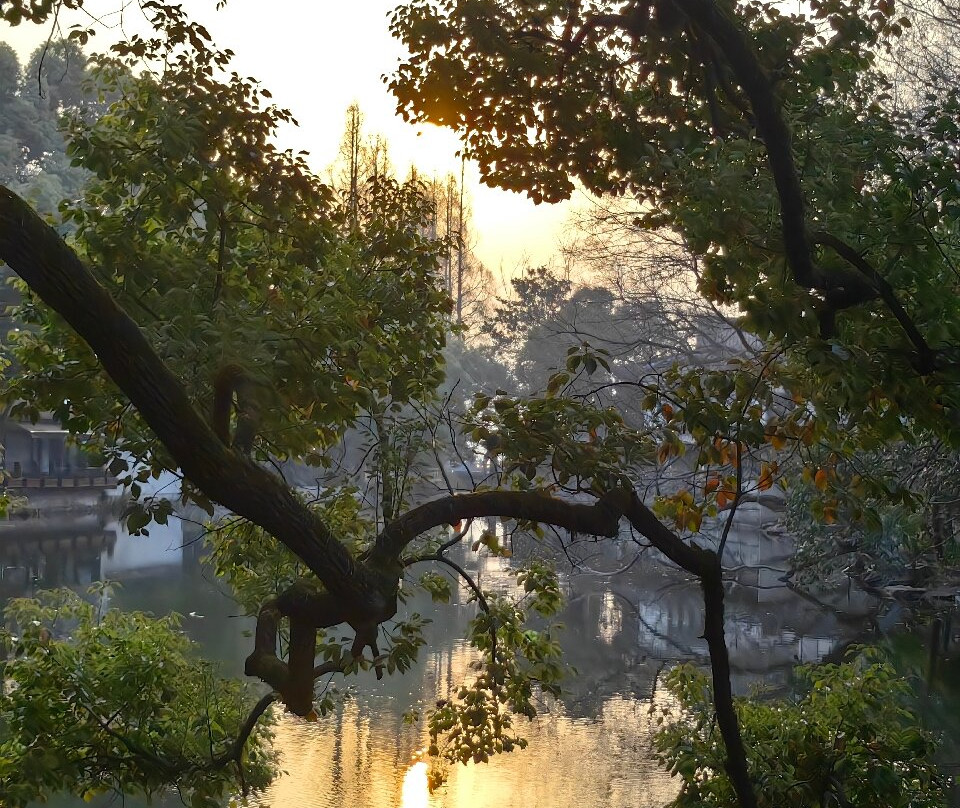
x,y
47,482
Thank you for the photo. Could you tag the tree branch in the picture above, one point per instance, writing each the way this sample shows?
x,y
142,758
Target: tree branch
x,y
843,289
599,519
741,55
926,356
235,750
52,270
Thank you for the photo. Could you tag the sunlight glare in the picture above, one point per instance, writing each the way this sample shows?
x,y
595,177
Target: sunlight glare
x,y
415,792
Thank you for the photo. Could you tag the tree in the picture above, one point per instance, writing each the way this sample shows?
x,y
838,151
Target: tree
x,y
543,317
288,323
33,159
366,157
848,738
9,73
539,105
115,690
536,298
467,281
202,230
654,277
588,315
926,58
397,440
702,81
888,514
761,138
55,81
56,77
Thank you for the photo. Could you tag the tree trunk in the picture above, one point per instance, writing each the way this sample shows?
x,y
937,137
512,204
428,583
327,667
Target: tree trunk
x,y
711,581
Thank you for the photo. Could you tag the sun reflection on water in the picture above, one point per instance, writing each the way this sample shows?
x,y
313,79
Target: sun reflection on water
x,y
415,792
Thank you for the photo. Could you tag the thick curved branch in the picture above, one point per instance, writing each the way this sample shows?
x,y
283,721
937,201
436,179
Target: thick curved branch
x,y
690,557
602,518
599,519
263,662
52,270
843,289
925,354
232,380
307,608
740,53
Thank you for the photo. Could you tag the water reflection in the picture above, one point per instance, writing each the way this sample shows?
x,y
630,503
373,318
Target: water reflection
x,y
602,761
362,760
591,749
415,791
40,553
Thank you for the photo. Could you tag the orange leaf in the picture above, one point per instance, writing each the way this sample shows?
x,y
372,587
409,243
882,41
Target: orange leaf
x,y
820,479
766,478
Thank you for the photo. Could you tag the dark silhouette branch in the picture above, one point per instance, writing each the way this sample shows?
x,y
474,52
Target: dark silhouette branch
x,y
599,519
726,715
740,53
842,289
307,608
233,381
926,356
52,270
235,751
440,558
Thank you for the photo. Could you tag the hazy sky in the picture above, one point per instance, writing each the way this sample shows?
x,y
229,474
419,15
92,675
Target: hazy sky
x,y
319,57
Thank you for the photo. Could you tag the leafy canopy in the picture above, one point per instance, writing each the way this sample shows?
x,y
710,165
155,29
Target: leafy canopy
x,y
705,112
847,738
105,695
231,253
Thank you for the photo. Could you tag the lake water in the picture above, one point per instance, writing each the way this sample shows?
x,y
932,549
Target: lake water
x,y
591,749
